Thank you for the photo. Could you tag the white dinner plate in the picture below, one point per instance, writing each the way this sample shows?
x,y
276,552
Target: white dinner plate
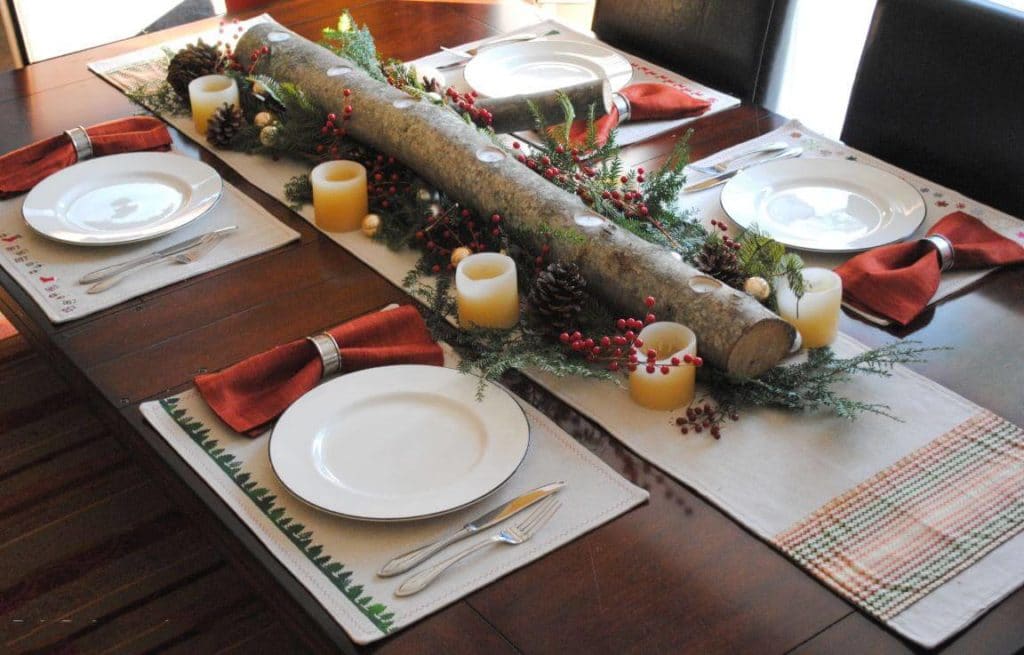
x,y
121,198
535,66
824,205
398,443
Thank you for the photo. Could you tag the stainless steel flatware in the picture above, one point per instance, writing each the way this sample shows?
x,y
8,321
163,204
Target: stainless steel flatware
x,y
732,162
406,561
116,269
466,55
722,178
199,251
204,244
513,536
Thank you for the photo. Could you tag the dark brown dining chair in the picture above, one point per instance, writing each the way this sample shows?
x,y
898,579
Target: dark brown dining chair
x,y
940,92
729,45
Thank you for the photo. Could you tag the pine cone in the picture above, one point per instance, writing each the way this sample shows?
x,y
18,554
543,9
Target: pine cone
x,y
720,262
557,296
224,125
192,61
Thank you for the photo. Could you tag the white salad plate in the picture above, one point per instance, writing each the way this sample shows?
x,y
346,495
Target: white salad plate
x,y
824,205
535,66
122,198
398,443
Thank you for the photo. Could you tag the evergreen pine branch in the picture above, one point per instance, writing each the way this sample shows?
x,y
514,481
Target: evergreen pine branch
x,y
355,43
299,191
810,385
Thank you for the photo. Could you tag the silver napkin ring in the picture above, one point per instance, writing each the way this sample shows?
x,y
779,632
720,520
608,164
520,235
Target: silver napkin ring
x,y
330,354
81,141
621,103
945,248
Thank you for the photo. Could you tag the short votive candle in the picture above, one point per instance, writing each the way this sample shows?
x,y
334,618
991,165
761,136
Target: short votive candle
x,y
670,390
487,291
208,94
339,195
816,313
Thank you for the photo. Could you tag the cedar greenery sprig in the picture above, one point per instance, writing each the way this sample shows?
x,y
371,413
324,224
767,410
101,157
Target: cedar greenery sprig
x,y
355,43
811,384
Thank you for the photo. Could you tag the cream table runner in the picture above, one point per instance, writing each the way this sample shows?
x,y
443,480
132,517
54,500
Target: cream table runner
x,y
49,270
776,472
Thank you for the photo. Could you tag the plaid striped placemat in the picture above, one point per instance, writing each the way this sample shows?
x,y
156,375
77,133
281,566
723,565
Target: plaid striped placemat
x,y
894,538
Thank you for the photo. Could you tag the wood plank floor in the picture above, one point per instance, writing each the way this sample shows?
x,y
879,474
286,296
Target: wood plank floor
x,y
93,558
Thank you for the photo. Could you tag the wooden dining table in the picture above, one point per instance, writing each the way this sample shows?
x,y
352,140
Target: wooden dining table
x,y
674,575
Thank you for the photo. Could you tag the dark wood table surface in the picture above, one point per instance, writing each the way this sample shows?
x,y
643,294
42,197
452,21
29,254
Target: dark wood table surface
x,y
675,575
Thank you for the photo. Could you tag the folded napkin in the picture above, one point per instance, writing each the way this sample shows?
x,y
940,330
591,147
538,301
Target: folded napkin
x,y
25,167
648,101
898,281
252,393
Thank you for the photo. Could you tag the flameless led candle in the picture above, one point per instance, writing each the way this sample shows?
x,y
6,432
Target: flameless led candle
x,y
339,195
659,390
486,291
208,94
816,314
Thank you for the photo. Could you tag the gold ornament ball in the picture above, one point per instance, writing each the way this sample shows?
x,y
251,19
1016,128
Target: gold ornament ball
x,y
258,88
758,287
459,254
262,119
268,135
371,223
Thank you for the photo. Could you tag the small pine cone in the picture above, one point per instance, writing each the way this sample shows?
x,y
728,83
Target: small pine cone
x,y
224,125
720,262
557,296
192,61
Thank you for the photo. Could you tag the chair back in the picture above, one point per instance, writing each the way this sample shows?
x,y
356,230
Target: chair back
x,y
940,92
728,45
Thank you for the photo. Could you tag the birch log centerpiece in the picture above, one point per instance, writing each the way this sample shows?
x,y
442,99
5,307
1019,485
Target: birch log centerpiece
x,y
735,332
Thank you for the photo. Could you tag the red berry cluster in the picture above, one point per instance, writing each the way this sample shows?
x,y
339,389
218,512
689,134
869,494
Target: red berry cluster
x,y
726,239
628,199
700,417
544,166
330,134
457,227
622,351
466,104
386,178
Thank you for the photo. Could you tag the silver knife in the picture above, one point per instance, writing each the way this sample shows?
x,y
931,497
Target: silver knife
x,y
108,271
406,561
722,178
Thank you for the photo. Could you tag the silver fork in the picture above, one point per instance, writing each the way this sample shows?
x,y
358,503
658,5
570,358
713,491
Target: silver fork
x,y
194,254
723,166
512,536
187,257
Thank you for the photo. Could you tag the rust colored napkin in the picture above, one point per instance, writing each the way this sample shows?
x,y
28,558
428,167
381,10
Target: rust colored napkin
x,y
252,393
648,101
23,168
899,280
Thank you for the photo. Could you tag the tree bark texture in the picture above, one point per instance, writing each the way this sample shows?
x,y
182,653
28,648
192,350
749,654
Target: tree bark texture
x,y
512,114
734,332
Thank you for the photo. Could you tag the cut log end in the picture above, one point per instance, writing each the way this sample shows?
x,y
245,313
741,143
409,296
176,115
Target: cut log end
x,y
760,347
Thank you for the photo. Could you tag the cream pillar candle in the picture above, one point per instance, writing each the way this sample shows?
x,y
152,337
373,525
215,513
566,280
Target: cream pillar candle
x,y
487,291
670,390
339,195
208,94
816,314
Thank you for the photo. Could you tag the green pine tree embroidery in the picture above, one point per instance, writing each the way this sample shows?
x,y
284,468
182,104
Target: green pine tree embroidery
x,y
296,532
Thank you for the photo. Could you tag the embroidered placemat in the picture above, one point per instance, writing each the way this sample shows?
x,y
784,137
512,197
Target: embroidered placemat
x,y
336,559
938,199
773,470
49,270
643,71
